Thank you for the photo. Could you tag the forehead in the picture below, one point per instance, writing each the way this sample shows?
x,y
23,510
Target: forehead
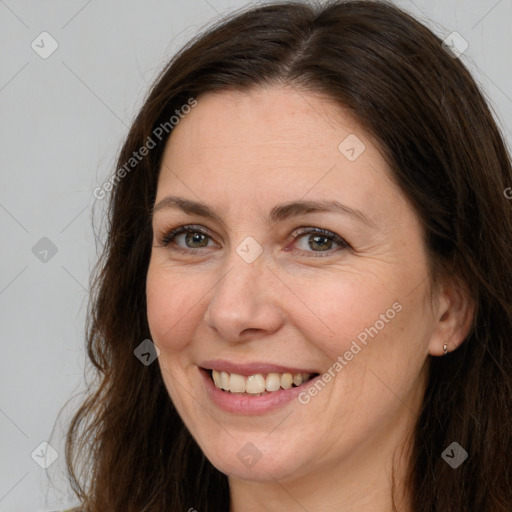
x,y
275,142
279,118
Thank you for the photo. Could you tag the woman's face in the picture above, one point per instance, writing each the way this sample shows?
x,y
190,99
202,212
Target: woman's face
x,y
254,291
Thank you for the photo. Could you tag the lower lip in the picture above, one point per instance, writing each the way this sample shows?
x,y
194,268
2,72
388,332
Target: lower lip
x,y
251,405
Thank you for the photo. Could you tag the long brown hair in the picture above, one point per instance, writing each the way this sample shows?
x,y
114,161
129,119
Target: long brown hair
x,y
127,448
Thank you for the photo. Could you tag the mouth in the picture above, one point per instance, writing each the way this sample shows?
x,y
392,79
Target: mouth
x,y
254,388
258,384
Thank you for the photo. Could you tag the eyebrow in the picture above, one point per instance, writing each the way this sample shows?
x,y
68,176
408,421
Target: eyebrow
x,y
278,213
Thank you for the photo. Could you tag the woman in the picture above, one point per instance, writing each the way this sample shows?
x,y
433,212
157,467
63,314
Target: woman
x,y
303,302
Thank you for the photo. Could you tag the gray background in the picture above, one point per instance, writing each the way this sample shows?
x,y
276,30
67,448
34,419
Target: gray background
x,y
63,119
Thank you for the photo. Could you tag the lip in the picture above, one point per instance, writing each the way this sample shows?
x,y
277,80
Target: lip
x,y
251,368
251,405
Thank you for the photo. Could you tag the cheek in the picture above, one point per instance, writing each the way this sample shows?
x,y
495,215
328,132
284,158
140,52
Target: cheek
x,y
343,310
172,308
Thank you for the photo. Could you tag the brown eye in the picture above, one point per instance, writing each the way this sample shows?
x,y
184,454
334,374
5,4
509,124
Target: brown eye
x,y
320,241
194,237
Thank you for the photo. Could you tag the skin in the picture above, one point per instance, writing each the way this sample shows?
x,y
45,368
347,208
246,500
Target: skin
x,y
243,153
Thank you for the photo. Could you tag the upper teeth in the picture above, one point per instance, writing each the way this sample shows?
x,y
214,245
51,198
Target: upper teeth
x,y
258,383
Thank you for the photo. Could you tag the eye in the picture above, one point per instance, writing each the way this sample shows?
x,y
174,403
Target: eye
x,y
194,237
318,240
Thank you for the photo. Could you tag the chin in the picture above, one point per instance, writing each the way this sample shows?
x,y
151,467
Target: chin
x,y
259,461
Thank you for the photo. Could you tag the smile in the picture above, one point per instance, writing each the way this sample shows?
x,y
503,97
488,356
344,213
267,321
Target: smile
x,y
253,389
257,384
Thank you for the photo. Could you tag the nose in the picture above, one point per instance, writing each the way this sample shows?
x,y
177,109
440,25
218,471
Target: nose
x,y
245,302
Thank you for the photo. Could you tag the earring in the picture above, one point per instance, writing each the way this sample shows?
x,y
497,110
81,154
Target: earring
x,y
445,349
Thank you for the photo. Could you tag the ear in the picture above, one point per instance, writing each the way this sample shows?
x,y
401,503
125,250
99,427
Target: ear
x,y
454,313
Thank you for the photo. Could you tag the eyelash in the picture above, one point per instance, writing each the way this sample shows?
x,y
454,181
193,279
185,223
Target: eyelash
x,y
173,233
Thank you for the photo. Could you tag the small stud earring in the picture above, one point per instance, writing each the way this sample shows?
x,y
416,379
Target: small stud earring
x,y
445,349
